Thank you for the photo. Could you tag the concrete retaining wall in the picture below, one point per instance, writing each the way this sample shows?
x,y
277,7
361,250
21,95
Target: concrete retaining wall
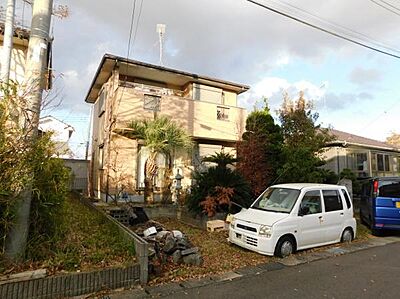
x,y
141,246
73,284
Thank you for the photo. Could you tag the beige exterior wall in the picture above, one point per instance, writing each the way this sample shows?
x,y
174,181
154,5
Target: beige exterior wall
x,y
230,98
17,66
335,159
198,118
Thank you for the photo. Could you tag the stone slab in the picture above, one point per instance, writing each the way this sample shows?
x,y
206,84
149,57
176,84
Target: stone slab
x,y
250,270
228,276
194,283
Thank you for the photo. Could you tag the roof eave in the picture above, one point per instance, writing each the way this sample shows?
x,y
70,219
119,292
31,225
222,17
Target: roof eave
x,y
238,88
344,143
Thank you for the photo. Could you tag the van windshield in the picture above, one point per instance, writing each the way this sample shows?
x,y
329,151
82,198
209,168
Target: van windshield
x,y
277,200
389,189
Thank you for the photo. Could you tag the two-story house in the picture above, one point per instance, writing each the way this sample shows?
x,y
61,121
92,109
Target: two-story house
x,y
364,156
124,89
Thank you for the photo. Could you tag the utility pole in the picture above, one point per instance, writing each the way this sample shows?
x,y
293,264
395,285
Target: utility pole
x,y
35,72
8,41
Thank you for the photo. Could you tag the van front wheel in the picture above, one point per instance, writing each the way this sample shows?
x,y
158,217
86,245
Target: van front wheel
x,y
285,247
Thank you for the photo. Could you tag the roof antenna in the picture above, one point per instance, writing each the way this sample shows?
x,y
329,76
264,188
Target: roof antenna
x,y
161,32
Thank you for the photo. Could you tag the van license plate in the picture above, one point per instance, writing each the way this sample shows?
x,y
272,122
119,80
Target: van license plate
x,y
398,204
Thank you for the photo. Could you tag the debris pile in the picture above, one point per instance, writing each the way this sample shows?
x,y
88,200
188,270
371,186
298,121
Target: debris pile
x,y
169,246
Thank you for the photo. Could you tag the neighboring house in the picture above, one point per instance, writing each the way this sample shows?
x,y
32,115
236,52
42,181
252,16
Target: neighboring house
x,y
61,134
18,55
365,157
123,90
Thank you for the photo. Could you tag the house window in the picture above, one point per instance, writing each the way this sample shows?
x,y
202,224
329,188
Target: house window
x,y
151,102
383,162
101,157
222,113
102,99
387,164
361,160
397,163
380,162
358,162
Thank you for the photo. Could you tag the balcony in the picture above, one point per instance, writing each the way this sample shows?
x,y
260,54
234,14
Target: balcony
x,y
201,119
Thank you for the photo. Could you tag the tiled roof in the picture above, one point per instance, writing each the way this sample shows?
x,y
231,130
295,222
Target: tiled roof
x,y
359,140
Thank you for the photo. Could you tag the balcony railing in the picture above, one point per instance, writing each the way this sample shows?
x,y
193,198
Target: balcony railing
x,y
152,89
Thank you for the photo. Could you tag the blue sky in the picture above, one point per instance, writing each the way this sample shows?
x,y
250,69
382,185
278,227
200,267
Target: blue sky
x,y
353,89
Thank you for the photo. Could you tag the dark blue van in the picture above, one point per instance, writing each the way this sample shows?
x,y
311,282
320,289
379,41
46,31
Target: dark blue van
x,y
380,203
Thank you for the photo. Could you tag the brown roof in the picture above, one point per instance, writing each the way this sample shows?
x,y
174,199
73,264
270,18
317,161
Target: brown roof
x,y
154,73
343,137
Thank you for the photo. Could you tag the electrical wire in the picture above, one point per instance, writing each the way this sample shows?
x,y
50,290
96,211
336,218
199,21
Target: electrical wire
x,y
322,29
131,29
391,5
137,25
367,38
385,7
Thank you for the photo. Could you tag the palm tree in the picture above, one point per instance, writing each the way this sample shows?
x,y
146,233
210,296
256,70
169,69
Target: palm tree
x,y
159,136
221,159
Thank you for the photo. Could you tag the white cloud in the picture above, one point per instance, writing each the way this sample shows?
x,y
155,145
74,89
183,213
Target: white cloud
x,y
282,60
273,88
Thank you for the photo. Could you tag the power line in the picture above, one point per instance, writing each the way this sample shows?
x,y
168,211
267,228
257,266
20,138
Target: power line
x,y
137,24
322,29
391,5
131,29
385,7
366,37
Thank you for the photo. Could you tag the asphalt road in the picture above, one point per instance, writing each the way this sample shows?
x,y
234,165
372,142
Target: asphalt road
x,y
371,273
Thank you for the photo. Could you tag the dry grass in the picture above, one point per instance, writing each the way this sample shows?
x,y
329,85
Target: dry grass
x,y
220,256
87,241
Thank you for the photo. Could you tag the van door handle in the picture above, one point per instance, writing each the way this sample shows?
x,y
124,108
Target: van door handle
x,y
320,217
341,214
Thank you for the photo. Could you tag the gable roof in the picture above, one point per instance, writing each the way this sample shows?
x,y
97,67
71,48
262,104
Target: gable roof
x,y
348,138
154,73
50,118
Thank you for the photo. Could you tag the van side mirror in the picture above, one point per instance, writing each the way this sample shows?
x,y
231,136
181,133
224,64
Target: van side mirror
x,y
304,211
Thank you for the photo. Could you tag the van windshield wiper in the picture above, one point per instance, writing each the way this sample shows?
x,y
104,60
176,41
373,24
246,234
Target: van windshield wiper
x,y
267,210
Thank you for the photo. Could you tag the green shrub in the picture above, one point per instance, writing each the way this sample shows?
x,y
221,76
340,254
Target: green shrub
x,y
206,182
49,190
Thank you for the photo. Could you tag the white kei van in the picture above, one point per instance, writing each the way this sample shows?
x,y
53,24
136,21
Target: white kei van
x,y
290,217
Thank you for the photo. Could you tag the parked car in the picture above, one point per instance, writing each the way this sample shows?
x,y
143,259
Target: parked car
x,y
290,217
380,203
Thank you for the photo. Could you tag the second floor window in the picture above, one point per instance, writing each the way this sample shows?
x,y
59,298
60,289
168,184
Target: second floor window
x,y
102,100
222,113
152,102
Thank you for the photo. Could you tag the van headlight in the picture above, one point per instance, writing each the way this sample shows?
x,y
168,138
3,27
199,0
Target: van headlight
x,y
265,230
233,222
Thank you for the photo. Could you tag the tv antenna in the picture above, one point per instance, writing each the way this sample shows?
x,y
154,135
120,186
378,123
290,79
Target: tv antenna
x,y
161,32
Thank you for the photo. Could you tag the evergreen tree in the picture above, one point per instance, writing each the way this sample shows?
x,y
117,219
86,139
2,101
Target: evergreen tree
x,y
260,151
304,142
